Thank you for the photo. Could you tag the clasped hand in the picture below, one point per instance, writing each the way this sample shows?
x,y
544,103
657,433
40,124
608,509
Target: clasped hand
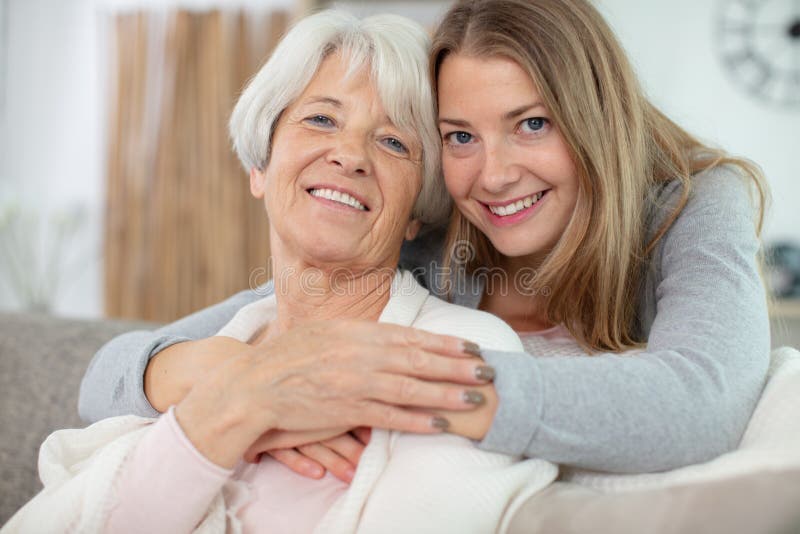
x,y
299,395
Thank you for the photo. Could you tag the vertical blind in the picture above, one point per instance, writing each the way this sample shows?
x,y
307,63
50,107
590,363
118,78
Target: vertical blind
x,y
181,229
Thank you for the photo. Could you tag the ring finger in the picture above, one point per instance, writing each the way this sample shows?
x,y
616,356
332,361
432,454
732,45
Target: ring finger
x,y
339,466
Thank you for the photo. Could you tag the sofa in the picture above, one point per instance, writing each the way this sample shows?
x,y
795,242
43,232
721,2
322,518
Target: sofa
x,y
42,360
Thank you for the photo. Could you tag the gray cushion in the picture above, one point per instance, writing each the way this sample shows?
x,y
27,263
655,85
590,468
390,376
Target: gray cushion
x,y
42,361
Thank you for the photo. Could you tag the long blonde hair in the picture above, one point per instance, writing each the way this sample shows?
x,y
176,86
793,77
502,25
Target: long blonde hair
x,y
623,148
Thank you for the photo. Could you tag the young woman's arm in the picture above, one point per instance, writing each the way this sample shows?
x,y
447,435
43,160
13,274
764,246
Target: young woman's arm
x,y
114,383
689,396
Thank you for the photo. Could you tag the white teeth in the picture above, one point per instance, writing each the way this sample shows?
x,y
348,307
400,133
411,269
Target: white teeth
x,y
338,196
519,205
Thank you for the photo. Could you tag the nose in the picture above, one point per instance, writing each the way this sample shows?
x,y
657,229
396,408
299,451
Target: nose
x,y
499,171
351,156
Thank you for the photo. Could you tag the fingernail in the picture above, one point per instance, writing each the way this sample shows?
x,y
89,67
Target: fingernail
x,y
350,473
314,470
484,372
440,423
472,348
473,397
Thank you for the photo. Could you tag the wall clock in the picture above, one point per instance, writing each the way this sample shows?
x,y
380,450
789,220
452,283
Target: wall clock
x,y
759,46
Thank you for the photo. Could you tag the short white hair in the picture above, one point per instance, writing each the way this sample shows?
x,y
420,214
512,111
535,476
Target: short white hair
x,y
396,49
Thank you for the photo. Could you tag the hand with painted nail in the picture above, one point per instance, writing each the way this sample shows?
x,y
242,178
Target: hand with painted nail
x,y
331,374
473,424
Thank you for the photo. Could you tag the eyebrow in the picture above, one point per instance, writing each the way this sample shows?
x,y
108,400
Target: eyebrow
x,y
513,114
323,100
337,104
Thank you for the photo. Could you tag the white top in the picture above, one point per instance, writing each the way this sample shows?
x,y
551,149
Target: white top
x,y
404,482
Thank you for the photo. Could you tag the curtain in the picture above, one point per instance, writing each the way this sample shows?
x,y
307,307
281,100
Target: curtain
x,y
181,229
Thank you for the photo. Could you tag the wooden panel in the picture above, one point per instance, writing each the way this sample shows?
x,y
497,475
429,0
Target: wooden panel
x,y
182,231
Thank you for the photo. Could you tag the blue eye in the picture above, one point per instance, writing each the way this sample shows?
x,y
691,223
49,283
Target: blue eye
x,y
458,138
534,124
320,120
395,144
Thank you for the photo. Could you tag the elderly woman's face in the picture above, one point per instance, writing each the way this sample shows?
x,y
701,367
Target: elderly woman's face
x,y
341,179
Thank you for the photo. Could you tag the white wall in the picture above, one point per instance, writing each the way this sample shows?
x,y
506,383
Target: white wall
x,y
51,135
673,47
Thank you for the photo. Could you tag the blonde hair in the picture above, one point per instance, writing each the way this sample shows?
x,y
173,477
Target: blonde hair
x,y
623,148
395,48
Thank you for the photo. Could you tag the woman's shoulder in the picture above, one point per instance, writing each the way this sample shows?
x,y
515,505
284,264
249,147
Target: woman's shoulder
x,y
485,329
720,200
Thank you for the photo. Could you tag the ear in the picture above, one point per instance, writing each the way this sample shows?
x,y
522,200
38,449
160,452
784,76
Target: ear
x,y
258,183
413,229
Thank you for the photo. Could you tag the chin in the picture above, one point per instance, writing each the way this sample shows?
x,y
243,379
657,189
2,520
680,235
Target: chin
x,y
325,248
516,246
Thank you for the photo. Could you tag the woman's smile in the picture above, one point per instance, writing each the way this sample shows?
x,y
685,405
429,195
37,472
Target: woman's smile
x,y
338,198
506,213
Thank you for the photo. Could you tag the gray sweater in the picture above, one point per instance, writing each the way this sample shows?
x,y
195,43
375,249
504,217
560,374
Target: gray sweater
x,y
684,400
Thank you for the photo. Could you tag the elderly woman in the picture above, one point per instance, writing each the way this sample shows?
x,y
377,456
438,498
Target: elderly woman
x,y
338,133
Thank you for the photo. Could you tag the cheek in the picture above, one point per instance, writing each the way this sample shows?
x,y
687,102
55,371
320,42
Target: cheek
x,y
457,172
410,185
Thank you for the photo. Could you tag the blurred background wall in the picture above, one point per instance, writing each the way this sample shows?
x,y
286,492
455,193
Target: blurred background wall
x,y
60,82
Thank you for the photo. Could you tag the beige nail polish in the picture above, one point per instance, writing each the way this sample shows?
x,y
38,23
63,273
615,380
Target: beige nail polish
x,y
440,422
484,372
472,349
474,397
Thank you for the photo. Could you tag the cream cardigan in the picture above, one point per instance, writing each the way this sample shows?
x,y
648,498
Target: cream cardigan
x,y
404,482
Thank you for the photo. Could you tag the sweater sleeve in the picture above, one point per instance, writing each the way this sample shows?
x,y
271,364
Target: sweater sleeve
x,y
685,399
165,485
114,381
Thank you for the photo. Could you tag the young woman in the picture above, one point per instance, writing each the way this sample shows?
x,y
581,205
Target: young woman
x,y
614,228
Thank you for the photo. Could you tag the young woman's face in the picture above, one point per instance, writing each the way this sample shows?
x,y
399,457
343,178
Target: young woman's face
x,y
505,164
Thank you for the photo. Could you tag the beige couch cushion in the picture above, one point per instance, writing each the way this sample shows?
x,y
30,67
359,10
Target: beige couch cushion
x,y
765,502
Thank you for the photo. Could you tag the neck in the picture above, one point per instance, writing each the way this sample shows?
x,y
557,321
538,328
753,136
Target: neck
x,y
307,291
514,300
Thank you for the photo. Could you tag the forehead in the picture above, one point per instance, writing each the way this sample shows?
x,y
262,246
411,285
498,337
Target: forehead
x,y
338,77
483,81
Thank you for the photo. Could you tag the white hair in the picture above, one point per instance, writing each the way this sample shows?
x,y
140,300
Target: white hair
x,y
396,48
